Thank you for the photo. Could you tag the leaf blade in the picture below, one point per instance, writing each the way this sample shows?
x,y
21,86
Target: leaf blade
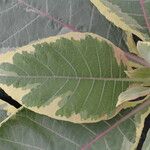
x,y
26,22
75,66
64,134
128,16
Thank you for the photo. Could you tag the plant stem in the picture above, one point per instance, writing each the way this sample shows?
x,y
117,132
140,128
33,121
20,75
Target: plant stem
x,y
133,112
45,14
137,59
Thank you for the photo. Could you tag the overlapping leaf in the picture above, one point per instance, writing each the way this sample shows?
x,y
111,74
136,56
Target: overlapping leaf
x,y
6,111
28,130
144,50
146,145
3,114
143,72
139,91
23,21
69,77
65,76
132,16
135,93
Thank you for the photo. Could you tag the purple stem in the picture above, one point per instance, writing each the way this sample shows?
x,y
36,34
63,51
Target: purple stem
x,y
44,14
133,112
145,15
137,59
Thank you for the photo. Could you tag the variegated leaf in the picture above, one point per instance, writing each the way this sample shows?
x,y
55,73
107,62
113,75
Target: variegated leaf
x,y
66,77
132,16
28,130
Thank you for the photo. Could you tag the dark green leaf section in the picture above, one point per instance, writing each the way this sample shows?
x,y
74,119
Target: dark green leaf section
x,y
31,131
21,24
76,71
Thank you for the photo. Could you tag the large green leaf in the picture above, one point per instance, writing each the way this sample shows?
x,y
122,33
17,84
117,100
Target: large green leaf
x,y
132,16
23,21
66,75
28,130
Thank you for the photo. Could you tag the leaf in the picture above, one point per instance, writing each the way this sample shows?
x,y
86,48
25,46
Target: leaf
x,y
136,93
139,73
6,107
146,145
138,118
24,21
28,130
68,75
131,16
144,50
3,114
131,43
6,110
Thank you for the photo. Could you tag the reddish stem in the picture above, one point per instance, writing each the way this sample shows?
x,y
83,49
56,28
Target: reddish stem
x,y
133,112
137,59
145,15
44,14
